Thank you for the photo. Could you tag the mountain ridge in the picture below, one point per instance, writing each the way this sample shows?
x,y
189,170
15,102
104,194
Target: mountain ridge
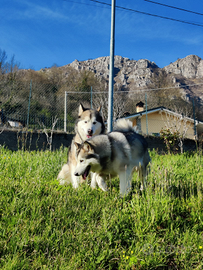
x,y
144,74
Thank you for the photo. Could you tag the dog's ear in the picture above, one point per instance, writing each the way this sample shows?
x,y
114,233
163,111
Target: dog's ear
x,y
81,109
88,147
77,145
99,108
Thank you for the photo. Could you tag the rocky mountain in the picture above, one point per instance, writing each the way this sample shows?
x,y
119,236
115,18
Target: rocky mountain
x,y
126,71
186,73
190,67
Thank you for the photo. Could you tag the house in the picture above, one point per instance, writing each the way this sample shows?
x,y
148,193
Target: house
x,y
152,121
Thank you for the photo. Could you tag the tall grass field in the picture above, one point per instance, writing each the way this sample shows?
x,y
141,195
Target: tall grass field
x,y
47,226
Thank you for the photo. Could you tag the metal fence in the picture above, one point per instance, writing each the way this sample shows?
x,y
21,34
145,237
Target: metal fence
x,y
35,106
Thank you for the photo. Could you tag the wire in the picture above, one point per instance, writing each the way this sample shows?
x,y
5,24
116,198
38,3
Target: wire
x,y
149,14
77,2
182,9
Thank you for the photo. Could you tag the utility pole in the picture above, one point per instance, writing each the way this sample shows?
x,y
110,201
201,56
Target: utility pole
x,y
91,97
30,95
146,113
65,112
111,69
193,105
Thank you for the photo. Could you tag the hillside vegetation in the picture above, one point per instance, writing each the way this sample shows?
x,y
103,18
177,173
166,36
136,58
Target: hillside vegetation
x,y
34,96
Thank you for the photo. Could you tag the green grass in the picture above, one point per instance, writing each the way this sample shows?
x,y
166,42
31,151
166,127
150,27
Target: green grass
x,y
47,226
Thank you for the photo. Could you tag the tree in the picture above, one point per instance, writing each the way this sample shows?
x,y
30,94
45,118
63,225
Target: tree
x,y
7,66
163,91
176,127
3,57
120,102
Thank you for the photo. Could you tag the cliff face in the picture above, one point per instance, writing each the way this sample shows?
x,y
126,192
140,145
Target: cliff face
x,y
126,71
190,67
144,73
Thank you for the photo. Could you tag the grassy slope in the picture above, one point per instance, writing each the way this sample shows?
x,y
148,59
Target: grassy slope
x,y
47,226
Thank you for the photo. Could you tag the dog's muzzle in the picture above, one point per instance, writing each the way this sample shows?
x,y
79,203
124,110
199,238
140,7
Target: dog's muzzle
x,y
90,133
85,174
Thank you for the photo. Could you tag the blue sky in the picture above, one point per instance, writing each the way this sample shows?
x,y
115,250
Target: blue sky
x,y
41,33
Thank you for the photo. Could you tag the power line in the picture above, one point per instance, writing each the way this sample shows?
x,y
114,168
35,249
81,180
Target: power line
x,y
182,9
149,14
77,2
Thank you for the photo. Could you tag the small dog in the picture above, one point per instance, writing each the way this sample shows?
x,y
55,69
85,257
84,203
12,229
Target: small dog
x,y
88,124
116,153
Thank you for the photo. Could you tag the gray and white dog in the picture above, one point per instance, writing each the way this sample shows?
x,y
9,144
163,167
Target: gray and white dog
x,y
88,124
117,153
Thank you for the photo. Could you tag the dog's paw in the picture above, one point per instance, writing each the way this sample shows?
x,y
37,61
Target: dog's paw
x,y
63,182
142,188
104,188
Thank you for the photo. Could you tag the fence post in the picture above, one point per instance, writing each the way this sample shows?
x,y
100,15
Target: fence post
x,y
28,113
91,96
65,112
146,113
193,105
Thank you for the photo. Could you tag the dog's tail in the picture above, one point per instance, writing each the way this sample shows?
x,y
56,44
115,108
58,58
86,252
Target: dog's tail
x,y
123,125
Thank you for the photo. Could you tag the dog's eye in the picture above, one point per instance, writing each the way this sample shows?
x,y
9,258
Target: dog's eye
x,y
85,122
94,123
81,160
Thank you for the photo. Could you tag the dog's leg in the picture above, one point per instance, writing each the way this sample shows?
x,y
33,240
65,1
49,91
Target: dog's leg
x,y
125,180
101,183
75,179
123,183
64,175
93,181
144,170
142,176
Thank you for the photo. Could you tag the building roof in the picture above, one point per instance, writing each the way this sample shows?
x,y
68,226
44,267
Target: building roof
x,y
153,110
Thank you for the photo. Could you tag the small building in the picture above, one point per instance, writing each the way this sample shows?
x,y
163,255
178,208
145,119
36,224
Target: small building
x,y
152,121
14,123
